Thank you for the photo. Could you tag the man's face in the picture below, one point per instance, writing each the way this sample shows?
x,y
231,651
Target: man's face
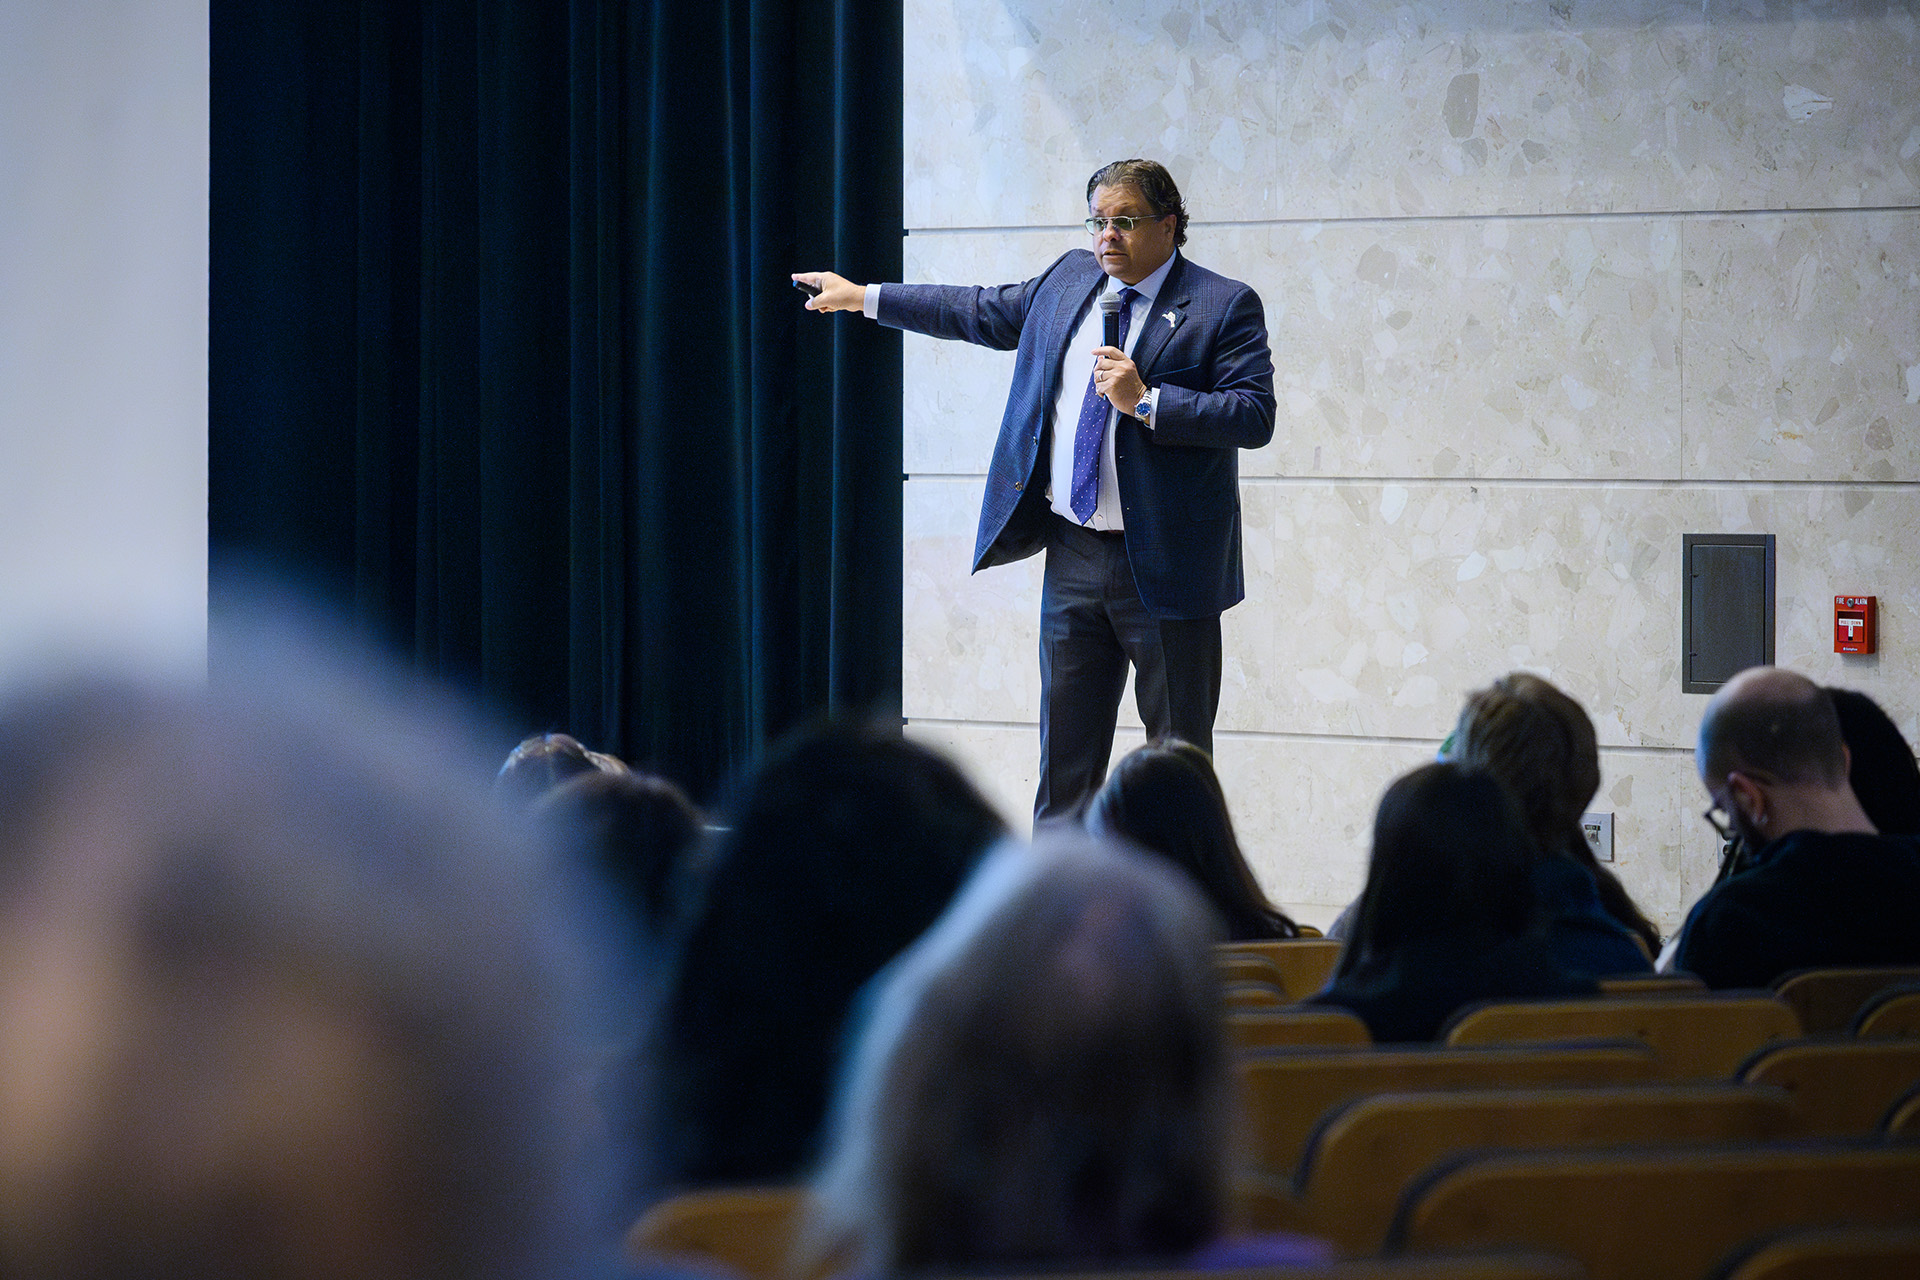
x,y
1130,256
1733,801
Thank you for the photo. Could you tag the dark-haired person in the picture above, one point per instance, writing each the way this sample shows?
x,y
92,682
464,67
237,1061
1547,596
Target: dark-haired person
x,y
1447,916
1539,744
1120,462
641,834
545,760
1166,798
844,844
1820,887
1881,768
1044,1083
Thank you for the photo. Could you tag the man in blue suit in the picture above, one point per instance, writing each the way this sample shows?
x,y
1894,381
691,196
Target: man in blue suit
x,y
1119,461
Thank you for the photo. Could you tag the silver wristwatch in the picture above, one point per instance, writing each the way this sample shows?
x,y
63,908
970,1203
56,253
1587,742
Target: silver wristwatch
x,y
1144,410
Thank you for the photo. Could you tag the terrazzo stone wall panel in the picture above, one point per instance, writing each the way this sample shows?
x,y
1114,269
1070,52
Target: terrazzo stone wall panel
x,y
1304,809
1549,285
1355,109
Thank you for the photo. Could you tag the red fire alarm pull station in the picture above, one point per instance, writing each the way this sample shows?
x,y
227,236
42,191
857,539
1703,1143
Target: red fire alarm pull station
x,y
1853,624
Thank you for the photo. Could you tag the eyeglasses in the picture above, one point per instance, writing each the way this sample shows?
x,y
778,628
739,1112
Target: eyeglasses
x,y
1122,223
1720,820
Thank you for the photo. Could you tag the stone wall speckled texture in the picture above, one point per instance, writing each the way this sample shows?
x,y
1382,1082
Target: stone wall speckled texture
x,y
1549,285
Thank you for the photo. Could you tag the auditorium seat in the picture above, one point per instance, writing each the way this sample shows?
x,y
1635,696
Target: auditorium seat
x,y
1242,995
1238,966
1903,1117
1286,1091
1827,999
1693,1037
1253,1028
1365,1154
1651,984
1892,1013
1305,964
1642,1214
1832,1253
749,1229
1839,1087
1480,1265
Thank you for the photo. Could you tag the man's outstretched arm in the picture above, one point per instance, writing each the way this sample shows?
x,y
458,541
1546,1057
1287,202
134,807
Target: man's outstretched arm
x,y
990,315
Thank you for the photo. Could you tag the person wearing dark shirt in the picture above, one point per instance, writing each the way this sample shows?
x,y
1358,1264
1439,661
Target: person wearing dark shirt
x,y
1881,768
1448,915
1822,887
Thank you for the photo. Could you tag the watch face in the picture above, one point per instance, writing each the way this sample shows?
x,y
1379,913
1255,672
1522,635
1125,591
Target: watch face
x,y
1142,409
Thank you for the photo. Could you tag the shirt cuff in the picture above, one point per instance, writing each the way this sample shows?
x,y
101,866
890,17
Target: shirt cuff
x,y
870,302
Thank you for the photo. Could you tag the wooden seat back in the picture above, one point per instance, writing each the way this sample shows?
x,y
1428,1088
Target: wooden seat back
x,y
1284,1092
1827,999
1892,1013
1305,964
1643,1214
1242,995
1839,1087
1830,1253
1253,1028
1499,1265
1238,967
1693,1037
1366,1154
1903,1117
749,1229
1651,984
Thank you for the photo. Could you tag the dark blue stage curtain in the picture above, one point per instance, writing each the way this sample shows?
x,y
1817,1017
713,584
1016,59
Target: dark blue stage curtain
x,y
504,361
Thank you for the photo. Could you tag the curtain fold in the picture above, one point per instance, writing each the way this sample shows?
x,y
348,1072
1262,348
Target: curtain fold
x,y
504,362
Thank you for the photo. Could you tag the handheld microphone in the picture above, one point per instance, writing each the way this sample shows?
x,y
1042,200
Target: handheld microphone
x,y
1110,319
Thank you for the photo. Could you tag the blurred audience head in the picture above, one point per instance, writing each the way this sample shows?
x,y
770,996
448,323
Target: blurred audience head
x,y
640,834
840,848
544,761
1539,744
1774,724
1451,855
280,994
1166,798
1044,1078
1881,769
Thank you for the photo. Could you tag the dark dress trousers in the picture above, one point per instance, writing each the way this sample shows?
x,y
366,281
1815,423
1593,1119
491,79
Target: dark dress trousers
x,y
1165,582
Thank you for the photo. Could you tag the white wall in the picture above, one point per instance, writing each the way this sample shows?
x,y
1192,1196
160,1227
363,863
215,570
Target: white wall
x,y
1548,285
103,330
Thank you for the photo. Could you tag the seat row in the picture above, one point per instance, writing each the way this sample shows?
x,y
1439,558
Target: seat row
x,y
1657,1131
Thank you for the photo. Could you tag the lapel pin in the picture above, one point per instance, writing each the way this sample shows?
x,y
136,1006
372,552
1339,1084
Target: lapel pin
x,y
1172,318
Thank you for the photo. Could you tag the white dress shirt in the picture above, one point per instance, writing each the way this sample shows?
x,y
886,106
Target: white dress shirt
x,y
1076,371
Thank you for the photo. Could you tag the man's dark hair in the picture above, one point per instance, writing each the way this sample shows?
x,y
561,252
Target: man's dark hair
x,y
1155,185
1781,725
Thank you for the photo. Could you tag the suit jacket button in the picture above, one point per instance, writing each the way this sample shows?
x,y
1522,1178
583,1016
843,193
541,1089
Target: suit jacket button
x,y
1018,486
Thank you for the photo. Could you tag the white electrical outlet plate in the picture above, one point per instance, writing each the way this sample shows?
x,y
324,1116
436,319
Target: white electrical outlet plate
x,y
1598,828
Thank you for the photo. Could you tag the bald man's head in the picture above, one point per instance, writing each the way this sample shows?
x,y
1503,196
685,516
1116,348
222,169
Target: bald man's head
x,y
1774,723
